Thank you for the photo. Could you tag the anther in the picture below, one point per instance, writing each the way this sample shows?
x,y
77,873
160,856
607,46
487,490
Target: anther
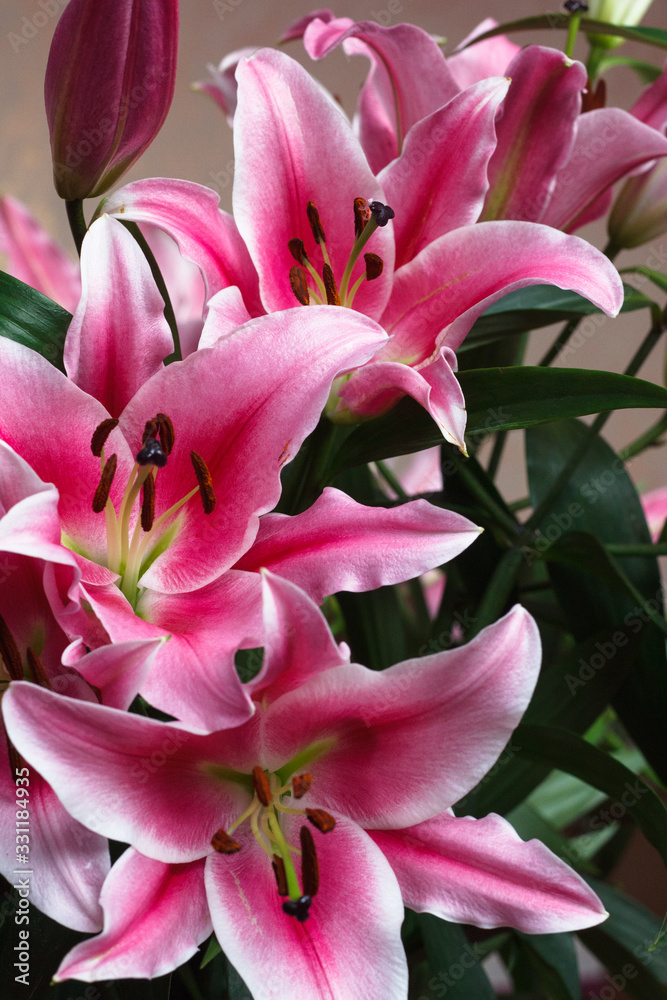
x,y
310,869
594,98
382,213
150,430
10,652
167,434
333,298
279,872
300,785
223,843
261,785
299,284
106,479
324,821
298,907
152,453
362,214
148,503
374,266
205,482
297,249
101,434
37,670
575,6
315,223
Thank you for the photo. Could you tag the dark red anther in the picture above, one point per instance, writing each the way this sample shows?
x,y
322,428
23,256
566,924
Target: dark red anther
x,y
297,249
223,843
10,652
100,435
281,877
261,784
148,503
324,821
316,226
310,869
362,214
167,435
333,298
106,479
300,785
592,99
150,430
299,284
374,266
205,482
39,674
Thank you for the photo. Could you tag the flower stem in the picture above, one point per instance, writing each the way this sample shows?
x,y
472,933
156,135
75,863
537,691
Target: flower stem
x,y
77,222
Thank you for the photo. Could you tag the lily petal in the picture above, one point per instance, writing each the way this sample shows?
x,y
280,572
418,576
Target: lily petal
x,y
488,58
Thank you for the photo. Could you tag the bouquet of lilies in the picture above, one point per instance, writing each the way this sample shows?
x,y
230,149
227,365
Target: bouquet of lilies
x,y
297,705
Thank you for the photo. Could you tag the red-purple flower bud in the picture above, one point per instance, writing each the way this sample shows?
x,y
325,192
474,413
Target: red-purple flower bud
x,y
109,84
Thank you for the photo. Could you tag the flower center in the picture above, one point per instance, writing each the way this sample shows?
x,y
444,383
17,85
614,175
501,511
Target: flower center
x,y
263,814
131,552
305,281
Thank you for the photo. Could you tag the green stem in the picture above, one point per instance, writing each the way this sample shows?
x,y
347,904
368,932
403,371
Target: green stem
x,y
497,593
648,439
572,32
560,342
391,480
77,222
495,512
648,549
496,454
160,282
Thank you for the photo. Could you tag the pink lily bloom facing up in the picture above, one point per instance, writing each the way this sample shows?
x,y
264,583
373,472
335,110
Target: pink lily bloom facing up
x,y
308,212
71,861
164,472
108,87
359,768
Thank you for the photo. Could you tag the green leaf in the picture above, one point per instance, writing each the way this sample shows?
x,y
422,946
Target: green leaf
x,y
600,499
561,749
212,951
454,963
499,399
31,319
633,927
651,36
647,72
657,277
552,960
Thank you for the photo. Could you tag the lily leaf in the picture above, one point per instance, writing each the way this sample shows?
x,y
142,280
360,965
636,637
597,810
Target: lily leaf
x,y
32,319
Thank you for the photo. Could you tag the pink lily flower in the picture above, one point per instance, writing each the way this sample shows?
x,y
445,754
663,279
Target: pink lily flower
x,y
159,560
108,87
448,271
71,861
378,759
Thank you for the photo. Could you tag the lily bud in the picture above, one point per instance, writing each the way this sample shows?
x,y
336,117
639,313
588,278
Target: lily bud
x,y
639,214
109,84
626,12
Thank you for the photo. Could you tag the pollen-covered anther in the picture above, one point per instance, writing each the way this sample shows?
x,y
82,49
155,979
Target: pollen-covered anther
x,y
300,784
104,486
310,869
152,453
333,298
362,215
374,266
148,503
10,652
324,821
167,433
297,249
39,674
316,226
299,284
261,785
223,843
100,435
382,213
281,877
298,907
205,482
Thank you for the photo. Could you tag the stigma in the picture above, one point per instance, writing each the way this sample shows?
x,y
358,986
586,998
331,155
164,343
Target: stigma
x,y
310,286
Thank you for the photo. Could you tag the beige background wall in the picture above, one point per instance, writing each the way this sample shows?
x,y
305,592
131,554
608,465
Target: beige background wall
x,y
196,142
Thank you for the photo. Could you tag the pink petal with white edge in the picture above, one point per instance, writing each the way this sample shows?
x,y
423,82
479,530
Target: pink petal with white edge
x,y
651,107
610,144
118,670
226,312
133,779
298,642
297,28
246,419
536,133
440,179
479,871
441,719
350,946
339,544
118,337
193,677
36,259
70,862
315,157
477,62
155,918
222,86
438,296
375,388
394,97
204,234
